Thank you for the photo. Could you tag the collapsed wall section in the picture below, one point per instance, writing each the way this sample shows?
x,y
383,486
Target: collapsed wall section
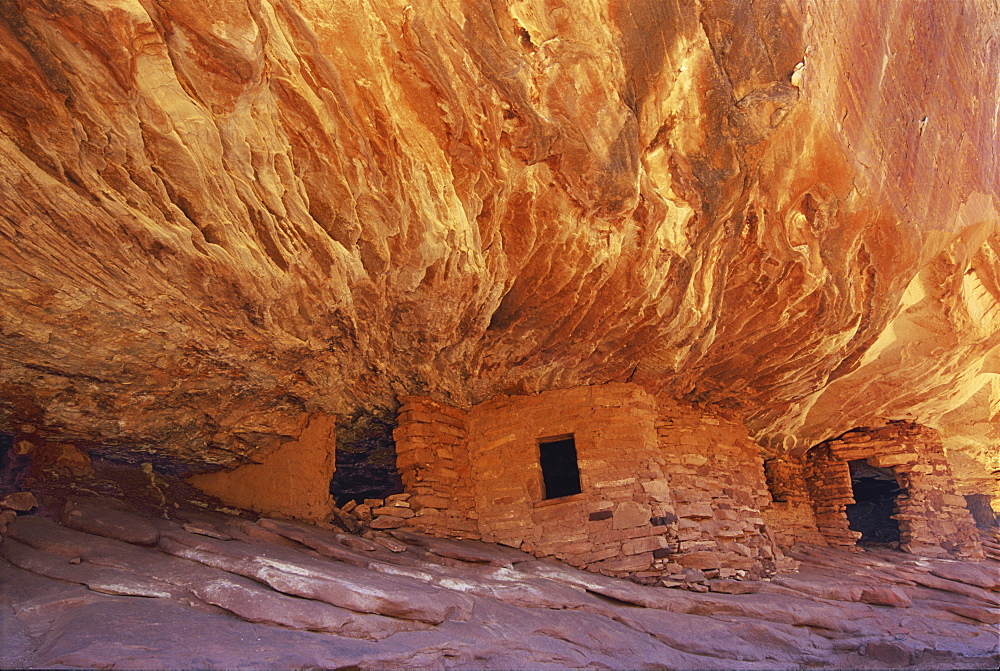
x,y
933,518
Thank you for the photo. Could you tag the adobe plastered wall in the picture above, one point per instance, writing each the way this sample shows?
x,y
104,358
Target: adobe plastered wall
x,y
664,487
933,517
293,481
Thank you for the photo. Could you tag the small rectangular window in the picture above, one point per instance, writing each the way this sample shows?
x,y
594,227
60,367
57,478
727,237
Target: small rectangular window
x,y
560,472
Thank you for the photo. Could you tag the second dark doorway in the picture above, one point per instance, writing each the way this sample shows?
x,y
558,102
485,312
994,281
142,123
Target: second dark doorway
x,y
875,492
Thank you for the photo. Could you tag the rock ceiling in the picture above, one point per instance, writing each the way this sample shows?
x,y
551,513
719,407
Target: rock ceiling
x,y
215,215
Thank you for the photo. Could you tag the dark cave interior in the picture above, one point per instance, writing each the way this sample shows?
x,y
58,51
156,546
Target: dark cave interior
x,y
875,492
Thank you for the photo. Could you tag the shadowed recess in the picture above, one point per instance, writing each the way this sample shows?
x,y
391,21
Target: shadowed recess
x,y
366,458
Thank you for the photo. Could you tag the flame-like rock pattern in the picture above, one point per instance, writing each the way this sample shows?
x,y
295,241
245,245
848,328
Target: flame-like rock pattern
x,y
217,215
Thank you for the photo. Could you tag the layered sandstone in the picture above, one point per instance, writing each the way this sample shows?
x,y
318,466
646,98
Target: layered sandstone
x,y
172,586
216,217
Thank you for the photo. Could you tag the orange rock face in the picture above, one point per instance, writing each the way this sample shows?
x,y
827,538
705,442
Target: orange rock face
x,y
215,216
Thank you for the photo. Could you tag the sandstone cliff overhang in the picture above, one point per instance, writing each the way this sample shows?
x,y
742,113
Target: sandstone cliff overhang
x,y
217,216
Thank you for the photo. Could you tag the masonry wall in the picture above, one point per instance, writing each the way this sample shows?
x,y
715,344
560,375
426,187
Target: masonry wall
x,y
477,474
933,517
433,462
790,517
716,477
666,488
619,522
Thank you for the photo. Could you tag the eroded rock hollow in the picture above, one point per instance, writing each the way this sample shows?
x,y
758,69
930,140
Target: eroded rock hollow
x,y
222,221
370,322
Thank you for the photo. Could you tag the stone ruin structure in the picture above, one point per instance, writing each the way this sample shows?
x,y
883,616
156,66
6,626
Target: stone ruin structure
x,y
933,519
235,235
650,486
648,499
614,479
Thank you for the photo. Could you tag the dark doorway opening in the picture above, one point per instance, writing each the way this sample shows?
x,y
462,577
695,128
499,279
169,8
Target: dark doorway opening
x,y
12,466
772,478
366,457
560,471
982,512
875,492
6,459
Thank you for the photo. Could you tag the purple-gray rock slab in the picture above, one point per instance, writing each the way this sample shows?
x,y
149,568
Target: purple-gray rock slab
x,y
334,582
256,603
146,634
325,542
983,574
464,550
98,578
100,517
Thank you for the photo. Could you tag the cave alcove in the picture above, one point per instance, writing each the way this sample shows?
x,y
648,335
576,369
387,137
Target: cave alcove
x,y
875,492
366,457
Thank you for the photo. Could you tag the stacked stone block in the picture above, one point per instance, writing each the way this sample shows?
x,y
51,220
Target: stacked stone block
x,y
790,517
433,463
829,482
11,505
716,477
621,523
933,517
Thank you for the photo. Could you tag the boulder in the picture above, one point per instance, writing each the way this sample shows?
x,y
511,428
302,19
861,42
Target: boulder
x,y
700,560
888,652
21,501
886,596
387,522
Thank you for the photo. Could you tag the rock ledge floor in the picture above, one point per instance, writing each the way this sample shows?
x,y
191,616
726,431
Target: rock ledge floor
x,y
99,584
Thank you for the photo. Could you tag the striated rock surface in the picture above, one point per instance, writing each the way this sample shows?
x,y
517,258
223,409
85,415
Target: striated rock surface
x,y
217,218
93,600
